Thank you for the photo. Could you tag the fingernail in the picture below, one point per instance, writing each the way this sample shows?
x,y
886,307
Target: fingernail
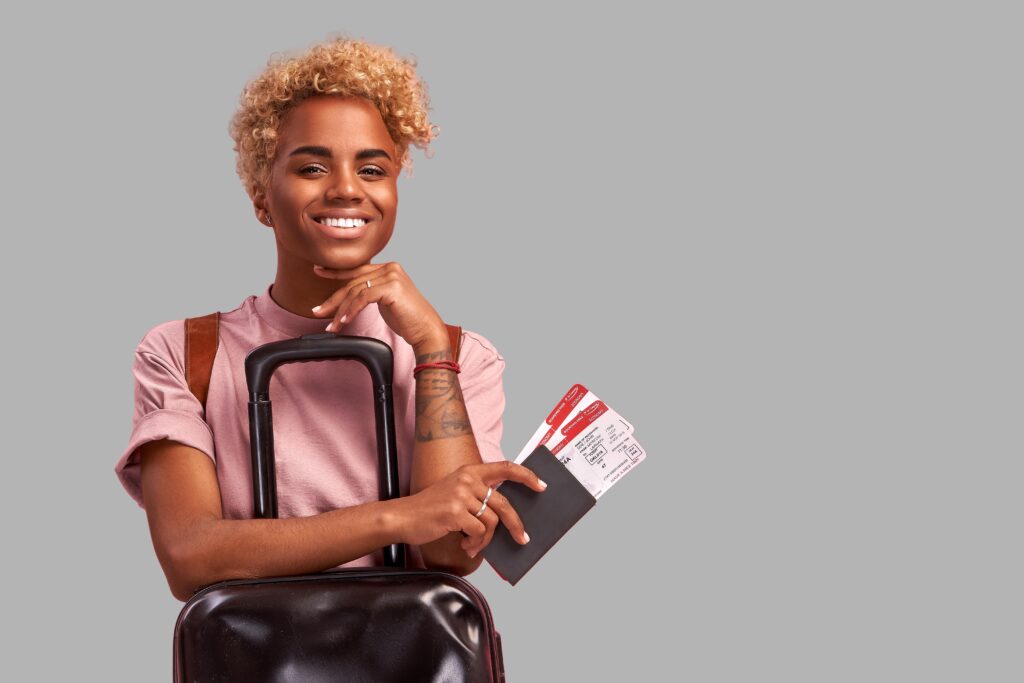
x,y
526,536
472,554
344,317
329,326
543,484
316,308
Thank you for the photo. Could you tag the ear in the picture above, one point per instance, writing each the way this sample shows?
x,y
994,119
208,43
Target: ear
x,y
259,205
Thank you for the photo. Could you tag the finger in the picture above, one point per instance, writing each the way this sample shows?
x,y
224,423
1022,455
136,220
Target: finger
x,y
477,495
496,472
509,517
357,297
340,314
473,502
488,515
473,527
332,302
490,520
382,291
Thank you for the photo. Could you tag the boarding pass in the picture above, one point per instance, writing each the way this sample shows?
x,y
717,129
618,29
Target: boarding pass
x,y
593,441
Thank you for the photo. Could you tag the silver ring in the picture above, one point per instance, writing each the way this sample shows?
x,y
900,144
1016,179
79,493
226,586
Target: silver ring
x,y
483,507
367,284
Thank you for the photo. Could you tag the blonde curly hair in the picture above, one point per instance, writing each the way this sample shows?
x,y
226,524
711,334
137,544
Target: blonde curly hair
x,y
342,66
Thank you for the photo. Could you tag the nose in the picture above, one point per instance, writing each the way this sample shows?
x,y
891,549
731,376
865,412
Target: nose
x,y
345,185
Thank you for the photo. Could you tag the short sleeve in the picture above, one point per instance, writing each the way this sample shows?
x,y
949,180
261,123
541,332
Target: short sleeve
x,y
482,390
165,408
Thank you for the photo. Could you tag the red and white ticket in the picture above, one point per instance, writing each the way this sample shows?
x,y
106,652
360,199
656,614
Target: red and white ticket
x,y
602,453
554,429
593,441
553,421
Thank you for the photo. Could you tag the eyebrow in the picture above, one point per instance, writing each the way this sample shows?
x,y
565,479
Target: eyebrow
x,y
317,150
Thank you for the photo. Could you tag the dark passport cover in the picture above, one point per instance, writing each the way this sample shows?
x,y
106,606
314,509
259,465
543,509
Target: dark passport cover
x,y
546,515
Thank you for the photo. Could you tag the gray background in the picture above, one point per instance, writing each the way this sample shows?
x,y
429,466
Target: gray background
x,y
781,238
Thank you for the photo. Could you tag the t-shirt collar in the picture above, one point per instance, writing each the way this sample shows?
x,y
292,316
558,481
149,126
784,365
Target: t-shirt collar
x,y
295,325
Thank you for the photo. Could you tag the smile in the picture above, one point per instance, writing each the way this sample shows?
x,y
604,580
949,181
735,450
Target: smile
x,y
343,228
342,222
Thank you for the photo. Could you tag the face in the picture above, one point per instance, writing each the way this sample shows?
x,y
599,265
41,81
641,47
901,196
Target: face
x,y
334,162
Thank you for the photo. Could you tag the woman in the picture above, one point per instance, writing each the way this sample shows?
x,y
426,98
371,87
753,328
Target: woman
x,y
320,140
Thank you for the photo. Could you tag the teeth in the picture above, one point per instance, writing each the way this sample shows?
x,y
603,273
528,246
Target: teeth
x,y
342,222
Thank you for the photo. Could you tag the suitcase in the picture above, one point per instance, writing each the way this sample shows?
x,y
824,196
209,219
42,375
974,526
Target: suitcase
x,y
378,624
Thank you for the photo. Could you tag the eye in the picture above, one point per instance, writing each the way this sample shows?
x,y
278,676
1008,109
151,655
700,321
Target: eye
x,y
304,169
376,170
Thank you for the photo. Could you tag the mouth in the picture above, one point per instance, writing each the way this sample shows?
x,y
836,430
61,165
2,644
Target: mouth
x,y
343,228
344,223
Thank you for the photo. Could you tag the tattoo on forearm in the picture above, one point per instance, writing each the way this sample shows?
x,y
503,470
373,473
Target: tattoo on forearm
x,y
440,408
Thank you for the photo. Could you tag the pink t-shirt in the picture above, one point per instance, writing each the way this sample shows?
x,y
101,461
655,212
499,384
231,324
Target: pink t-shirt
x,y
324,428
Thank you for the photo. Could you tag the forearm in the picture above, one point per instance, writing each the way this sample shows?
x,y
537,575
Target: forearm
x,y
444,442
223,549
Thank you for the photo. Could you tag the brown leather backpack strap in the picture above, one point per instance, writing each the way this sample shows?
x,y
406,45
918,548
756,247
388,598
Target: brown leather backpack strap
x,y
202,336
455,337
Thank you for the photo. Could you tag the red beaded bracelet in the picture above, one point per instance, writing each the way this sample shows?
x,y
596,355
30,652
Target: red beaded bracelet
x,y
443,365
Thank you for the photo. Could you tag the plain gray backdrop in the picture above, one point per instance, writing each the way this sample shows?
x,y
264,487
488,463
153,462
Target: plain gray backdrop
x,y
781,238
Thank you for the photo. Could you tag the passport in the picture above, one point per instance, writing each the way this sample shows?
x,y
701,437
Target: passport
x,y
547,515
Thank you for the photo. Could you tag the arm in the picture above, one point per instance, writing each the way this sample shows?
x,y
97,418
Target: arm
x,y
197,547
444,442
445,447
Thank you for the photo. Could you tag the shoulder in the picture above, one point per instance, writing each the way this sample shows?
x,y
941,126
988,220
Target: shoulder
x,y
476,344
167,339
478,352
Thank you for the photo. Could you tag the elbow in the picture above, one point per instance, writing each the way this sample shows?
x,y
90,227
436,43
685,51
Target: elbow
x,y
180,585
187,570
181,576
180,593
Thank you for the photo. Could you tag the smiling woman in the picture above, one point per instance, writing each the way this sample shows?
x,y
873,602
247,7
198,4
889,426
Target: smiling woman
x,y
337,164
321,138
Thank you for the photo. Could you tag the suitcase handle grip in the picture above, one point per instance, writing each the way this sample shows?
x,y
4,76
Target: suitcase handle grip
x,y
260,364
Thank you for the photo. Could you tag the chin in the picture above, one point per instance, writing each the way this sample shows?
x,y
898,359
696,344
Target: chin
x,y
342,264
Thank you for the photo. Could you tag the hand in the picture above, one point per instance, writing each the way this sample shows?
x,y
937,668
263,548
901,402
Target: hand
x,y
450,504
403,308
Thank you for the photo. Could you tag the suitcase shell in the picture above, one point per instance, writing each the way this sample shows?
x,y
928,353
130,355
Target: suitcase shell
x,y
382,624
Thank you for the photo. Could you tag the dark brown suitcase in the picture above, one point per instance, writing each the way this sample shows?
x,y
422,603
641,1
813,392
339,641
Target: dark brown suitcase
x,y
381,624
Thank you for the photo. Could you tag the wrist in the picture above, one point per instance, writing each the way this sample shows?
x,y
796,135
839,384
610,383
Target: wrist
x,y
392,520
434,346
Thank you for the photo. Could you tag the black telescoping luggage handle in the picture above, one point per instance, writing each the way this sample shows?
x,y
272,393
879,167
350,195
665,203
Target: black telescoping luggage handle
x,y
260,364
